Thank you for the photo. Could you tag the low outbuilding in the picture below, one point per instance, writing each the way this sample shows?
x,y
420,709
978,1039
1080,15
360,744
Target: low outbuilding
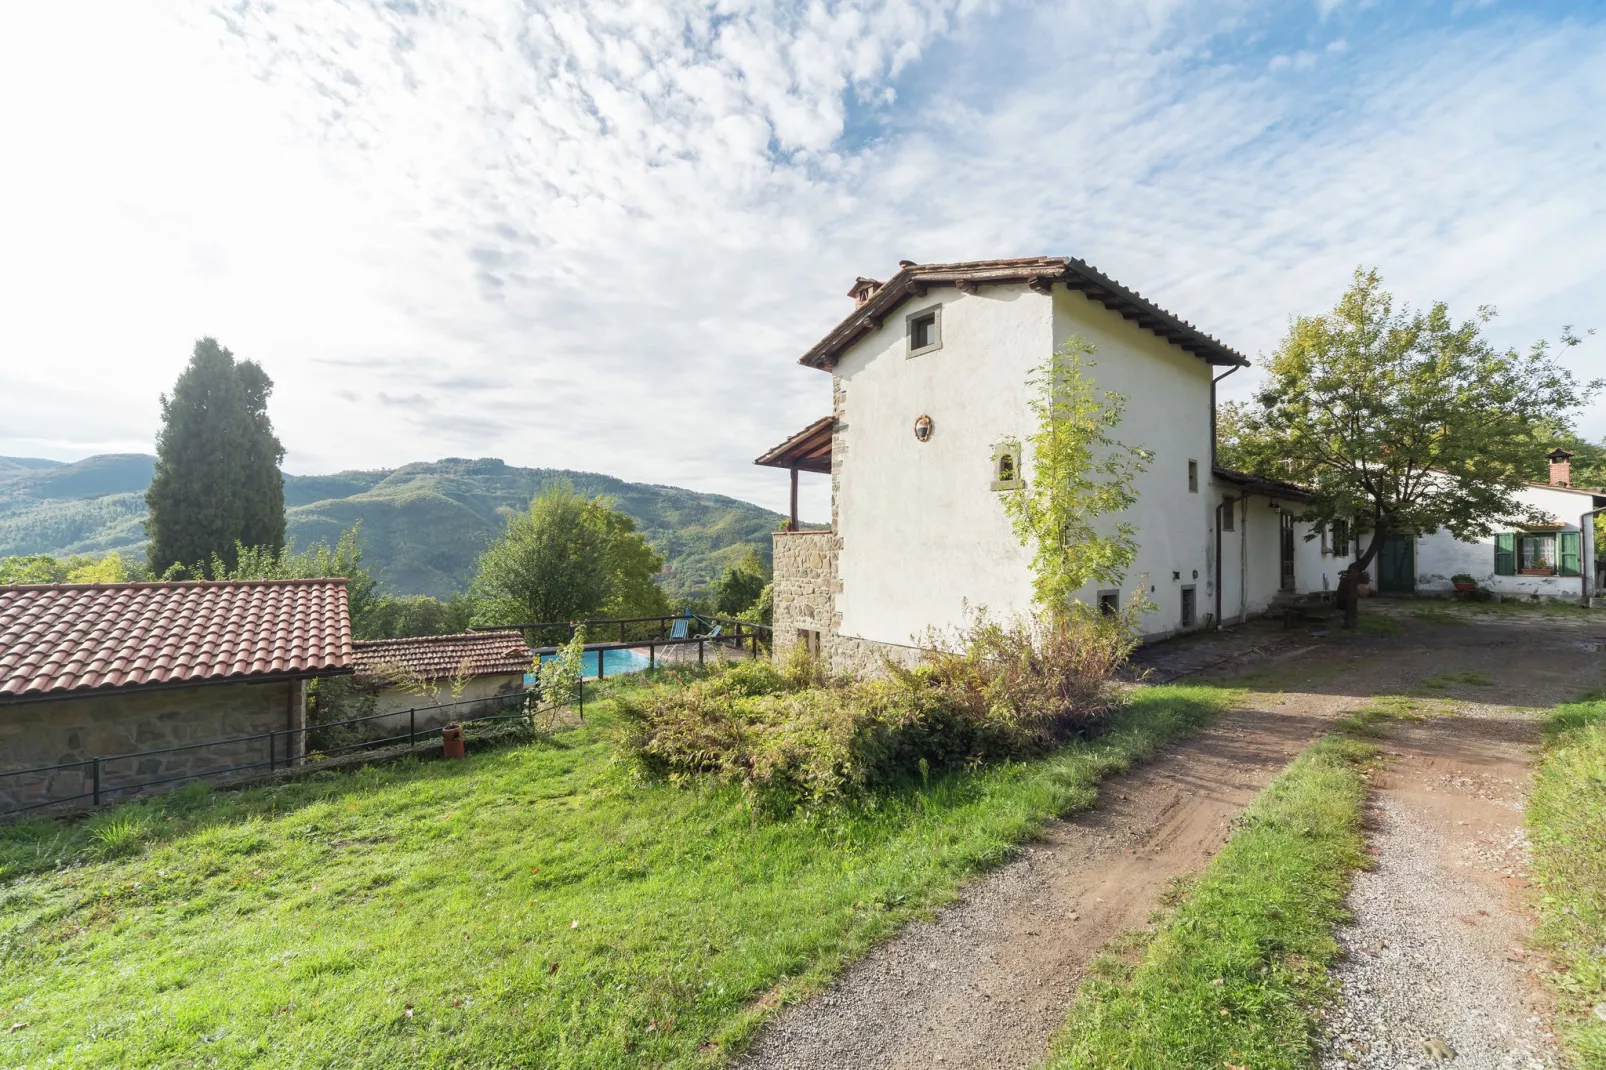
x,y
442,677
108,688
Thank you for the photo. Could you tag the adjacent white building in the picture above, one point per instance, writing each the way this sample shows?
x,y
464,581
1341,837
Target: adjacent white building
x,y
930,386
1554,559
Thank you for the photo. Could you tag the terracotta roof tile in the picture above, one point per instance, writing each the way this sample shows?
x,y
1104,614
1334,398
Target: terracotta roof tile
x,y
436,657
58,639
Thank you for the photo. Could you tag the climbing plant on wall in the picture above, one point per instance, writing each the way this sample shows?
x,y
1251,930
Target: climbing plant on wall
x,y
1076,472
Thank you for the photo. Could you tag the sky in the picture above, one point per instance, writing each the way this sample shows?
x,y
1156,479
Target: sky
x,y
597,234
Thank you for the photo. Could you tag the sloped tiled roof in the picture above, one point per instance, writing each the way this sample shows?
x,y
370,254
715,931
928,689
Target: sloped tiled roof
x,y
63,639
1038,272
436,657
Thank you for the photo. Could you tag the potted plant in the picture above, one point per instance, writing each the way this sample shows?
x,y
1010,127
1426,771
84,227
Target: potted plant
x,y
1464,582
1363,584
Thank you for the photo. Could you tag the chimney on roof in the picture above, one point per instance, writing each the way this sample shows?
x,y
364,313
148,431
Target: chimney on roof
x,y
1561,467
863,289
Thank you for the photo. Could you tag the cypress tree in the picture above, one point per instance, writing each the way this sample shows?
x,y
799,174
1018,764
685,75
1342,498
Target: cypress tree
x,y
217,481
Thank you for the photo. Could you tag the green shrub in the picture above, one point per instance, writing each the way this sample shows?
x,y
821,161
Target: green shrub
x,y
789,736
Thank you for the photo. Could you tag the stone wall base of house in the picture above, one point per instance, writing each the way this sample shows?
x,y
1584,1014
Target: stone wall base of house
x,y
848,655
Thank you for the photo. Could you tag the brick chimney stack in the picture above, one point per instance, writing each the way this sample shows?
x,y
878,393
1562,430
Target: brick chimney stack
x,y
1561,468
863,289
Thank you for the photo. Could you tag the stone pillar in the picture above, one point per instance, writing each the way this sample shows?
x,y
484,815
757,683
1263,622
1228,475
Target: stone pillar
x,y
804,587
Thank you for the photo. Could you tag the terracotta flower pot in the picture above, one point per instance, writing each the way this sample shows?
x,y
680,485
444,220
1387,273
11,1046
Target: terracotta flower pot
x,y
452,741
1466,588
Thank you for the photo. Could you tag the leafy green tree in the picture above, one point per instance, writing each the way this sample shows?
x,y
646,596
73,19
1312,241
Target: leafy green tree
x,y
566,558
217,483
79,568
343,559
741,584
1078,474
403,616
1401,419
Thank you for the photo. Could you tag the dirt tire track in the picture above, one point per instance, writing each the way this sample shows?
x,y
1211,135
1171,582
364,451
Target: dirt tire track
x,y
986,983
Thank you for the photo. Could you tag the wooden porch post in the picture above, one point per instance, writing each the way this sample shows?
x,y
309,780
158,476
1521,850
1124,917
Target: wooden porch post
x,y
794,497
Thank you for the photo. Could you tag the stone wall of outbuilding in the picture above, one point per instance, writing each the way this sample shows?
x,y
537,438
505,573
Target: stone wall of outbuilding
x,y
79,728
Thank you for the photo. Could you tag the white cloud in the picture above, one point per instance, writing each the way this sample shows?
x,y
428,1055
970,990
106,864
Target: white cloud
x,y
598,234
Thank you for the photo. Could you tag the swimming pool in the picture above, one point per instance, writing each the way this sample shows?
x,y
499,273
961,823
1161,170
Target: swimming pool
x,y
618,661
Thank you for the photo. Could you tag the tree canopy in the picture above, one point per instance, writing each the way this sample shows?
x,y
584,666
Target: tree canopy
x,y
343,559
79,568
1078,473
566,558
217,483
1403,420
741,584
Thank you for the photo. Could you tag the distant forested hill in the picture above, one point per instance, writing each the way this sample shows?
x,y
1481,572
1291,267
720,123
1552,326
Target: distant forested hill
x,y
423,524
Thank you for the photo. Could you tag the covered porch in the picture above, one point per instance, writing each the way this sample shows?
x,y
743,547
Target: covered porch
x,y
807,451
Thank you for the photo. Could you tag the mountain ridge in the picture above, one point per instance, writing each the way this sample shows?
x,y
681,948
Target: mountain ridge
x,y
423,523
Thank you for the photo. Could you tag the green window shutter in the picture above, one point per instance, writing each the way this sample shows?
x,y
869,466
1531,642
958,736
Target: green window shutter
x,y
1567,553
1505,555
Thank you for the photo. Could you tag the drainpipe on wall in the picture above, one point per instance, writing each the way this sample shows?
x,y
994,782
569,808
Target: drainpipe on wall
x,y
1213,381
1586,554
1224,505
1243,555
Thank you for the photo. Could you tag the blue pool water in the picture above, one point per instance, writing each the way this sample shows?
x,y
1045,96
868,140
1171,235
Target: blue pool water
x,y
615,662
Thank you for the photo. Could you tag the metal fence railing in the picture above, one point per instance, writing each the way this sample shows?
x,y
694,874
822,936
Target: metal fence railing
x,y
283,748
750,644
637,631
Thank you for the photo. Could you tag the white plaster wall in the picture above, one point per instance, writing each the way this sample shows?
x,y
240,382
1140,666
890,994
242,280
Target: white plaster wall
x,y
921,530
1441,555
1167,393
1315,569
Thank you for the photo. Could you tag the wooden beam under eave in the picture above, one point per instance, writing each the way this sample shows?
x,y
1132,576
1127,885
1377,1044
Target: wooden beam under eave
x,y
1038,284
965,286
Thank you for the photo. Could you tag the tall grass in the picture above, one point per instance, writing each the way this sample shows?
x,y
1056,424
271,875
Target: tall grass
x,y
537,905
1232,976
1566,818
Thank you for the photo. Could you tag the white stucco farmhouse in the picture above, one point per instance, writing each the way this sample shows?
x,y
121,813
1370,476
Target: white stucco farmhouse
x,y
929,381
1558,558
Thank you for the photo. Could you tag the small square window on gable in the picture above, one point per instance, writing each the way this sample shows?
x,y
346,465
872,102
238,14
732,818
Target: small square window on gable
x,y
925,330
1193,477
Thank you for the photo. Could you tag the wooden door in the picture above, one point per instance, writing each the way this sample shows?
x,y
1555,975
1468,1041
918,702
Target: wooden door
x,y
1286,551
1396,565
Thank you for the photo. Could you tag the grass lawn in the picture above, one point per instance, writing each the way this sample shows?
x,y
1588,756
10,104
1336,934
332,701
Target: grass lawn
x,y
1232,975
1565,817
534,905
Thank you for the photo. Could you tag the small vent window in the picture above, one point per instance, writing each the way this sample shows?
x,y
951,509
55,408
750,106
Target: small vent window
x,y
1193,477
1229,509
1109,603
1006,468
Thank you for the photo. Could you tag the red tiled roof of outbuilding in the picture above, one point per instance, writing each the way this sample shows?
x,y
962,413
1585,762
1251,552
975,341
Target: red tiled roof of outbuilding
x,y
70,638
437,657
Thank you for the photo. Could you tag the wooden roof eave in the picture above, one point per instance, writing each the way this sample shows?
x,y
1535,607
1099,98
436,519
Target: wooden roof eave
x,y
1038,273
807,451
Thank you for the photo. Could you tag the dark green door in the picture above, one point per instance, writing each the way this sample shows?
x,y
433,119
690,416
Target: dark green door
x,y
1396,565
